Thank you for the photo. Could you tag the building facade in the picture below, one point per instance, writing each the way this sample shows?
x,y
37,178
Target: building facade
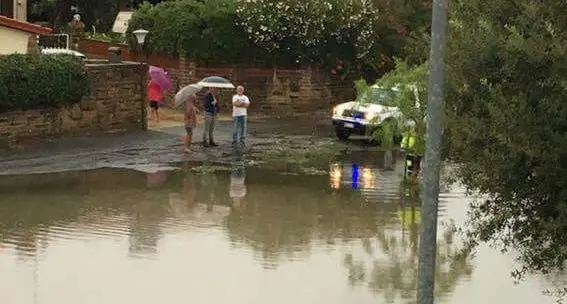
x,y
18,36
14,9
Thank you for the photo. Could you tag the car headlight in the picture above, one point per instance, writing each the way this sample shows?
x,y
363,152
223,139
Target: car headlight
x,y
336,111
371,116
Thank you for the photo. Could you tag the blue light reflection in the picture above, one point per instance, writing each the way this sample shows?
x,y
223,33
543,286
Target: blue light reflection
x,y
355,173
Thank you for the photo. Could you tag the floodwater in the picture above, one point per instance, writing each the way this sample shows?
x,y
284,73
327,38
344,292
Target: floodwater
x,y
235,235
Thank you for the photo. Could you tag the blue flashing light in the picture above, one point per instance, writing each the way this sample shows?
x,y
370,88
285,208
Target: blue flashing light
x,y
355,173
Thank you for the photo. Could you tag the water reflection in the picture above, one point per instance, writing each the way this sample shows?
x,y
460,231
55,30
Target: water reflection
x,y
248,230
200,201
389,262
155,179
377,180
237,190
144,229
26,244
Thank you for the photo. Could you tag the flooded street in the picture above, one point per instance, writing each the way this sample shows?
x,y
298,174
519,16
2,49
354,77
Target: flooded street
x,y
215,234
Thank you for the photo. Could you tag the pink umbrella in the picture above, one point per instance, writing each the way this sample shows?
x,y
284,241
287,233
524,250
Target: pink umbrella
x,y
160,77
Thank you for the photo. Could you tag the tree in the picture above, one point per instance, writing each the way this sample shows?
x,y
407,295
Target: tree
x,y
206,32
507,122
406,80
394,261
303,29
351,36
405,25
100,14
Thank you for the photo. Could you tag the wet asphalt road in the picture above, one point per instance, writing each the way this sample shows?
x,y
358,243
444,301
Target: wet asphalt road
x,y
155,150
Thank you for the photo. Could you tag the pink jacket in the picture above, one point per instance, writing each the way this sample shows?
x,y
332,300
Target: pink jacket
x,y
154,91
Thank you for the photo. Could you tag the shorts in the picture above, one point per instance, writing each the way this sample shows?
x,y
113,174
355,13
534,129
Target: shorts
x,y
154,104
189,130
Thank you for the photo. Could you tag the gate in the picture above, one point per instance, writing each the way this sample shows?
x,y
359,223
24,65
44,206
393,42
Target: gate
x,y
55,41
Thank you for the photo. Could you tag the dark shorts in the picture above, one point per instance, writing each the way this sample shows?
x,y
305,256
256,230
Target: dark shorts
x,y
154,104
413,162
189,130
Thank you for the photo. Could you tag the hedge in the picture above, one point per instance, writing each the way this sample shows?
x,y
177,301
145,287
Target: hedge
x,y
41,81
207,32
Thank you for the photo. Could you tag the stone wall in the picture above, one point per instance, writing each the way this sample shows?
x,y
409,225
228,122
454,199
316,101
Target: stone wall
x,y
272,90
115,104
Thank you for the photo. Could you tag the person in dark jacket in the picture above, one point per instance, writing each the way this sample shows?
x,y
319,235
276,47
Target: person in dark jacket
x,y
211,109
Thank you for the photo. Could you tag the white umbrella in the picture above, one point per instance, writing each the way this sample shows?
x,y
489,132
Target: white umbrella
x,y
216,82
185,92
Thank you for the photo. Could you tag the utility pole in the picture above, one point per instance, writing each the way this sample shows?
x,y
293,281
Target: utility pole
x,y
435,109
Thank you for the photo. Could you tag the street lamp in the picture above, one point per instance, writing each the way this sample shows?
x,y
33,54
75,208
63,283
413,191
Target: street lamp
x,y
140,36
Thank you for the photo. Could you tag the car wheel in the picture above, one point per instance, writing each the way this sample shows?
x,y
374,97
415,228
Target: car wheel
x,y
342,134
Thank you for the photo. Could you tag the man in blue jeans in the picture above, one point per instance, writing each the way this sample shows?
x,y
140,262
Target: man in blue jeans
x,y
211,110
240,104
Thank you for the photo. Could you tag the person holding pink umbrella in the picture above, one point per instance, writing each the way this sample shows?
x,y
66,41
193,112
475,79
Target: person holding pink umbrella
x,y
155,95
159,82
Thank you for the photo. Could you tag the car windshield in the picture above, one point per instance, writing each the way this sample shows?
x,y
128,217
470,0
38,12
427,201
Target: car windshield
x,y
381,95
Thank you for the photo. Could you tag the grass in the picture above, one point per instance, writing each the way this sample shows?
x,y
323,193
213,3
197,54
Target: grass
x,y
209,168
309,158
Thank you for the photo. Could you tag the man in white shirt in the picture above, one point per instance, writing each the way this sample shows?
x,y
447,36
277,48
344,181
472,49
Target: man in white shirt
x,y
237,189
240,104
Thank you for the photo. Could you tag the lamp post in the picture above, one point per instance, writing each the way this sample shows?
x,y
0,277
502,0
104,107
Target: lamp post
x,y
435,106
140,35
141,38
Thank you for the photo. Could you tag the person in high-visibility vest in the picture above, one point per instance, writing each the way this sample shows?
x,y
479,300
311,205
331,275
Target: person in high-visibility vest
x,y
413,160
408,140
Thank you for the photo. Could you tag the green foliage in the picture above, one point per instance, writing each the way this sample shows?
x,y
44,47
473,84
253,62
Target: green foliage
x,y
305,31
107,37
352,37
37,8
40,81
206,32
394,275
507,117
349,36
100,13
407,81
386,133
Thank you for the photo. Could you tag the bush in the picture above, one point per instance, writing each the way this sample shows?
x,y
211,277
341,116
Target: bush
x,y
207,33
347,37
313,31
106,37
40,81
506,111
350,37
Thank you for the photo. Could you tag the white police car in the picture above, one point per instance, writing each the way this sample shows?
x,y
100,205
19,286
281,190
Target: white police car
x,y
362,118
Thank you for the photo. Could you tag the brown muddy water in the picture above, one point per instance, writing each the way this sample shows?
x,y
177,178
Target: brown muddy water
x,y
235,235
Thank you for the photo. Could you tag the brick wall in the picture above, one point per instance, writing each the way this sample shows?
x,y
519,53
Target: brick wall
x,y
115,104
275,91
271,90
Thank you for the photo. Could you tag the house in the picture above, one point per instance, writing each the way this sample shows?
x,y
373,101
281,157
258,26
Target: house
x,y
14,9
18,36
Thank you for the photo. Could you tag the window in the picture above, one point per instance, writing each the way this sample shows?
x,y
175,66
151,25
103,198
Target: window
x,y
7,8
